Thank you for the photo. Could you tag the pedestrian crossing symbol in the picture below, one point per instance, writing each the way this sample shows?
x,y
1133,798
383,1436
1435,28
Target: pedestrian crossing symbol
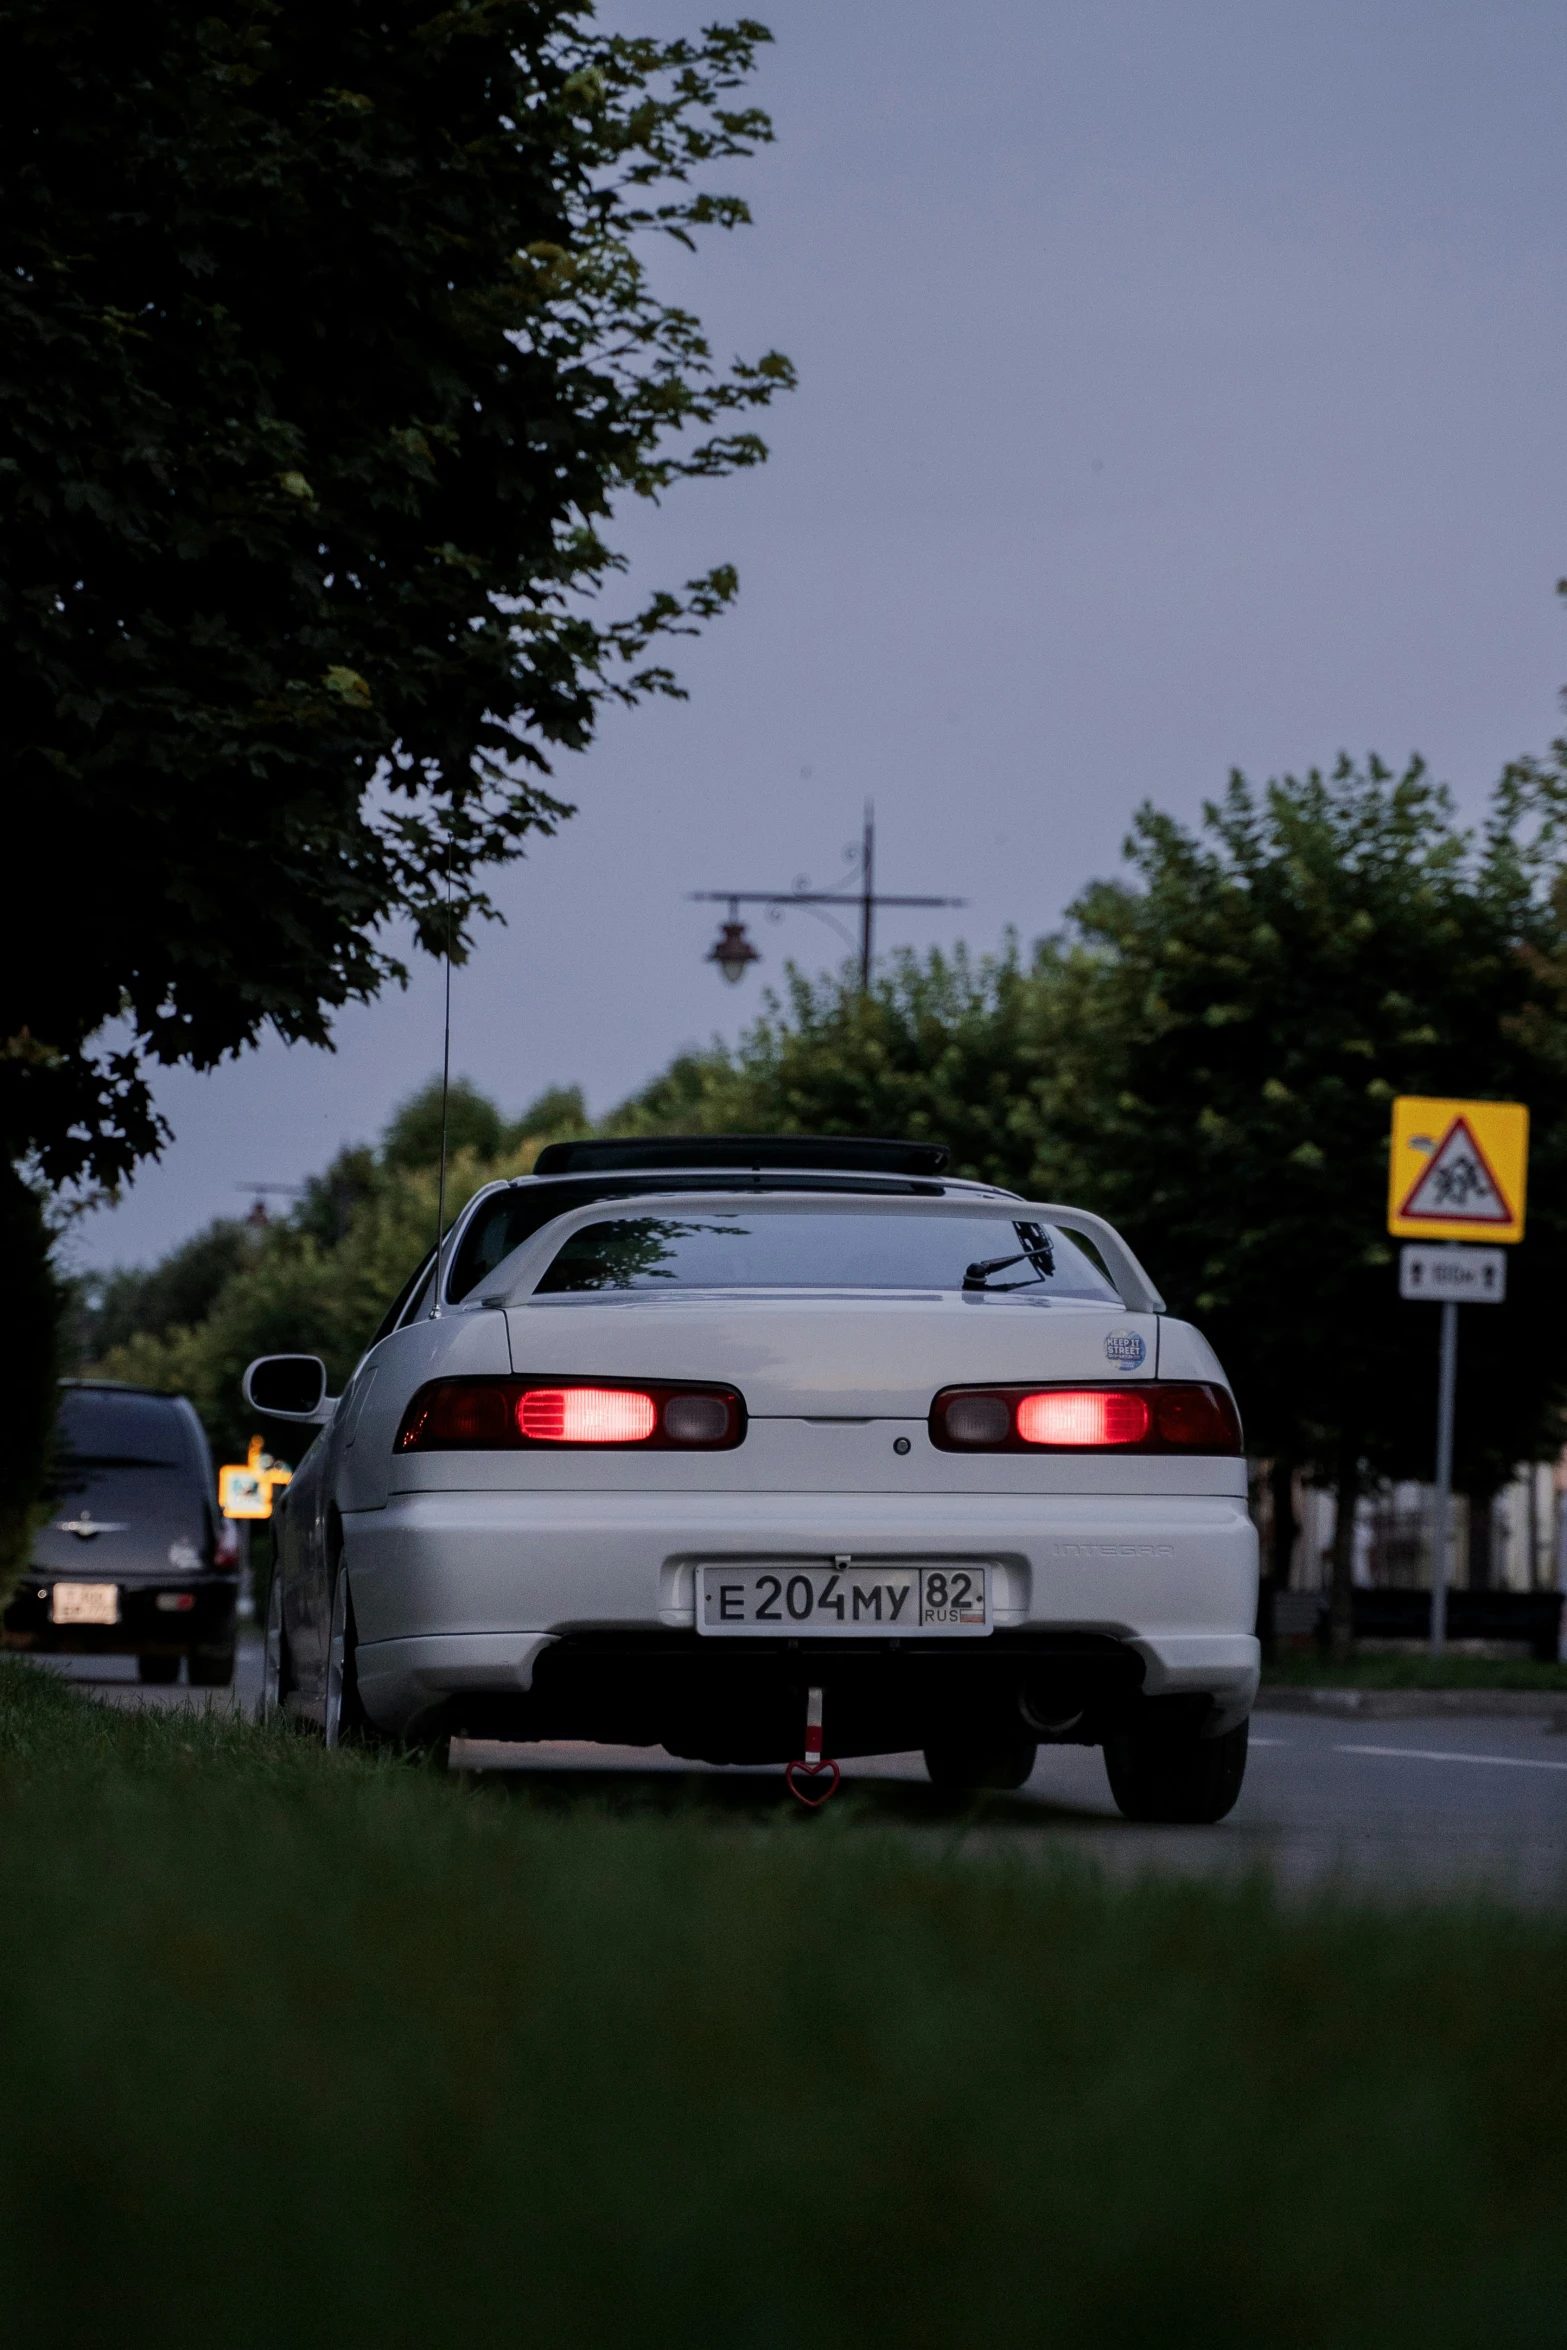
x,y
1457,1169
245,1488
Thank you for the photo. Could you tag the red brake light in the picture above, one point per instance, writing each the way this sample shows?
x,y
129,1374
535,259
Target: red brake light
x,y
586,1415
1083,1416
500,1415
1153,1416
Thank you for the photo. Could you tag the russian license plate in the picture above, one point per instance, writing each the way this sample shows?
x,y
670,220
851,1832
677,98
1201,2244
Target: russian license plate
x,y
848,1598
85,1603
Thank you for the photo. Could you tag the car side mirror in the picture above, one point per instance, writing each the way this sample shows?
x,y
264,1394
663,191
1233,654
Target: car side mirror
x,y
286,1387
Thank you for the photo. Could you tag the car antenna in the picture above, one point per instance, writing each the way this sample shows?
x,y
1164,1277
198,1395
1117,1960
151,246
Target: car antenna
x,y
446,1086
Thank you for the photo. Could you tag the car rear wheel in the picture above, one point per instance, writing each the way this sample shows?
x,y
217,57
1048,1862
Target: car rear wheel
x,y
277,1677
212,1668
345,1715
158,1669
1176,1776
963,1764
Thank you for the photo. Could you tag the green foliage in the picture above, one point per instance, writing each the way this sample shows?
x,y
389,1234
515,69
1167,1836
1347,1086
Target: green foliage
x,y
328,349
558,1111
327,1207
34,1307
1220,1052
939,1050
173,1294
473,1123
297,1295
1209,1057
699,1093
585,2070
320,1280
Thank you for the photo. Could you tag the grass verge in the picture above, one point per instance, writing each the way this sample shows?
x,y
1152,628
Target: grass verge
x,y
309,2048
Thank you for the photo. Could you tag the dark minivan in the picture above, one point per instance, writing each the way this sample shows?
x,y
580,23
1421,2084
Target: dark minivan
x,y
133,1559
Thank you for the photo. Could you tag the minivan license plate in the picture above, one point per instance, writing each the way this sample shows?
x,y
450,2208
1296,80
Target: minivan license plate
x,y
85,1603
851,1599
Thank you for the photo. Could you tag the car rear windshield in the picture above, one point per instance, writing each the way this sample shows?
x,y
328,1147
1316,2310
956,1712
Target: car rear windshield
x,y
100,1429
827,1251
509,1218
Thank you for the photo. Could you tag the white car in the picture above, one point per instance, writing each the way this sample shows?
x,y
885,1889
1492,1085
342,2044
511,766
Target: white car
x,y
697,1427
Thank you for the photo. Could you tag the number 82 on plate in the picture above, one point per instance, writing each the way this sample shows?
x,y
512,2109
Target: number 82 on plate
x,y
850,1598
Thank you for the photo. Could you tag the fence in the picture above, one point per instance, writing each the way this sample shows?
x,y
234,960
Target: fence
x,y
1394,1535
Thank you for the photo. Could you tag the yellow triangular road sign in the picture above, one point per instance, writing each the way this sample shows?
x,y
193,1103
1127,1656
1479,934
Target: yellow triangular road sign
x,y
1457,1169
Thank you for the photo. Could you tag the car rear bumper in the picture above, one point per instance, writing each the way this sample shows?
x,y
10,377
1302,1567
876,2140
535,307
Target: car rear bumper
x,y
461,1599
144,1629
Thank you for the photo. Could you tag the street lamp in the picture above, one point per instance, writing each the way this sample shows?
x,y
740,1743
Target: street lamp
x,y
732,951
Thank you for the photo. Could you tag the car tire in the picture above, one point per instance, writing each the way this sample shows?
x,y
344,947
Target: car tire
x,y
962,1765
211,1668
277,1677
344,1717
160,1670
1177,1778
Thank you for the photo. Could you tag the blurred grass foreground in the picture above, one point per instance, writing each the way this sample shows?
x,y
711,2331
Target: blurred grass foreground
x,y
325,2048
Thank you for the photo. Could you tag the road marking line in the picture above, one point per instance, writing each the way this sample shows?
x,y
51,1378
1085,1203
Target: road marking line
x,y
1499,1762
1272,1741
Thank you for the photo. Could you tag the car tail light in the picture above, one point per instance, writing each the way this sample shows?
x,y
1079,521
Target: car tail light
x,y
697,1419
461,1412
526,1415
1154,1416
1078,1416
586,1415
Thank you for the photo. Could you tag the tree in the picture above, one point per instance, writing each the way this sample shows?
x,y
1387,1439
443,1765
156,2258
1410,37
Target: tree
x,y
1208,1057
1226,1039
472,1122
939,1049
328,350
28,1363
172,1295
316,1282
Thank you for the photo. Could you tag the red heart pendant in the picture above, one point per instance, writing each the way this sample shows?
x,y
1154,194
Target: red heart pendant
x,y
812,1797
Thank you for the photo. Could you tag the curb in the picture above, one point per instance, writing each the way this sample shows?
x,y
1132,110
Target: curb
x,y
1392,1705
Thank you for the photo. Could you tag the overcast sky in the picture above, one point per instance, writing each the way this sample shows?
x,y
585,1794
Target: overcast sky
x,y
1181,387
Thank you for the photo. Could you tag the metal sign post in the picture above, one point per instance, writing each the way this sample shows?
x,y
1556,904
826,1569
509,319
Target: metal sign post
x,y
1446,1390
1456,1276
1456,1169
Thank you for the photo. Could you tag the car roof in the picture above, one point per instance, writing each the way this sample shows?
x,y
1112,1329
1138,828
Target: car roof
x,y
183,1410
120,1387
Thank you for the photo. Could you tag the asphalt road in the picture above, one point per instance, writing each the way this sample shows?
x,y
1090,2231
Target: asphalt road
x,y
1391,1808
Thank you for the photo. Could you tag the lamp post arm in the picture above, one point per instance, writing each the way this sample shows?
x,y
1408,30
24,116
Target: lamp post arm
x,y
806,897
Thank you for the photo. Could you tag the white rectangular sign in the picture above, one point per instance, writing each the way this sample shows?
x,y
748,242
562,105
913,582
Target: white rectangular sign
x,y
854,1599
1469,1276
